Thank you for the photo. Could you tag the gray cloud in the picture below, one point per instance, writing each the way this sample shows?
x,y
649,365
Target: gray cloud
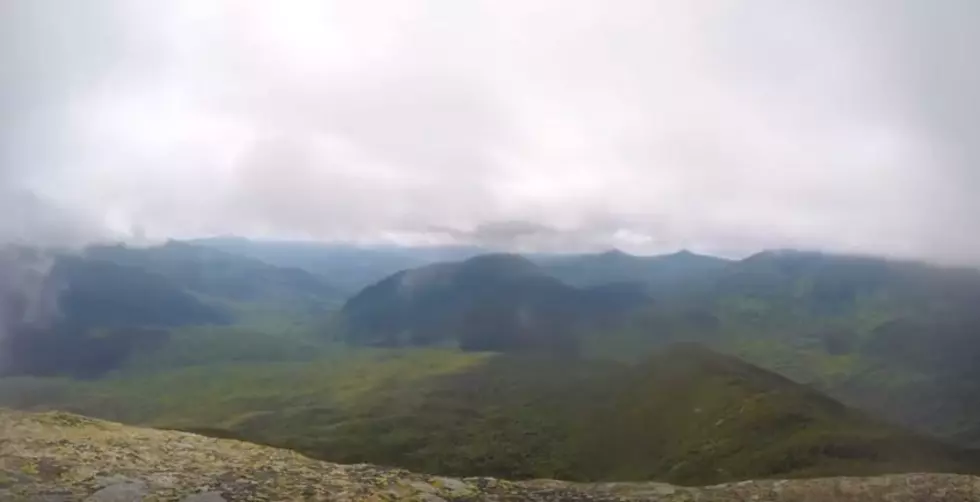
x,y
717,126
51,53
934,84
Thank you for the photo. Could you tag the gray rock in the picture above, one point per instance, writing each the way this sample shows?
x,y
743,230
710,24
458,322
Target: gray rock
x,y
205,497
130,491
48,497
423,487
209,466
455,486
115,479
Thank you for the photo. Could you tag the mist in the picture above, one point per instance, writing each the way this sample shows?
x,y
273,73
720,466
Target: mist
x,y
718,126
28,297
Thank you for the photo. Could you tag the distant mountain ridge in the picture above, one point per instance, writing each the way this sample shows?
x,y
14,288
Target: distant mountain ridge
x,y
348,267
217,273
658,273
352,267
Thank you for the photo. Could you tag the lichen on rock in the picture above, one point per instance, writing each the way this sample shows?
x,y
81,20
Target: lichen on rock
x,y
60,457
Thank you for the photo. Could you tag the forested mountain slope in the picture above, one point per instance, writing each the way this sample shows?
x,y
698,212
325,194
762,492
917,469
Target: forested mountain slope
x,y
686,415
490,302
84,316
897,338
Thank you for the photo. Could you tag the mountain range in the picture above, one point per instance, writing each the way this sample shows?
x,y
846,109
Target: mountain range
x,y
681,367
661,273
349,268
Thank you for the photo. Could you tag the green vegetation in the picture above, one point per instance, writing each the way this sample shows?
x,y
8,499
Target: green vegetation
x,y
897,339
215,345
687,415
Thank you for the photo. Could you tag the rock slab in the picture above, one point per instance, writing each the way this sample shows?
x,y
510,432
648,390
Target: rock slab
x,y
59,457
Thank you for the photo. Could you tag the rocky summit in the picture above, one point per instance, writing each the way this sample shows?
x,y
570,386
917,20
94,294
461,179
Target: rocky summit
x,y
60,457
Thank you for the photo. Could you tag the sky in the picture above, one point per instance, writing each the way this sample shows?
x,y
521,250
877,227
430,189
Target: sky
x,y
721,126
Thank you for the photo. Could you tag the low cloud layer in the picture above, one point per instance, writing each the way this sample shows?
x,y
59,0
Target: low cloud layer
x,y
719,125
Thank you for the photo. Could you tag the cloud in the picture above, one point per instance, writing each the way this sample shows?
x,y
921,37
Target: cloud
x,y
719,126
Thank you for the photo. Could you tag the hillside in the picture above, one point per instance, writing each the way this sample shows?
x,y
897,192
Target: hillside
x,y
57,456
687,415
95,314
98,293
895,338
490,302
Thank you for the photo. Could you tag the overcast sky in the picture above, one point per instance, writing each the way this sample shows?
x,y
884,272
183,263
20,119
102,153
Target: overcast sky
x,y
723,126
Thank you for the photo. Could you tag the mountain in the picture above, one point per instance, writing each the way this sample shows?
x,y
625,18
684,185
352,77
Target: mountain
x,y
53,455
349,267
105,303
897,338
218,274
96,293
826,285
685,415
94,314
683,269
490,302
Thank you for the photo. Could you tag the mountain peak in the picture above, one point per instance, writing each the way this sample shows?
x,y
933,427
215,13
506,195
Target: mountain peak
x,y
615,254
494,301
687,254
